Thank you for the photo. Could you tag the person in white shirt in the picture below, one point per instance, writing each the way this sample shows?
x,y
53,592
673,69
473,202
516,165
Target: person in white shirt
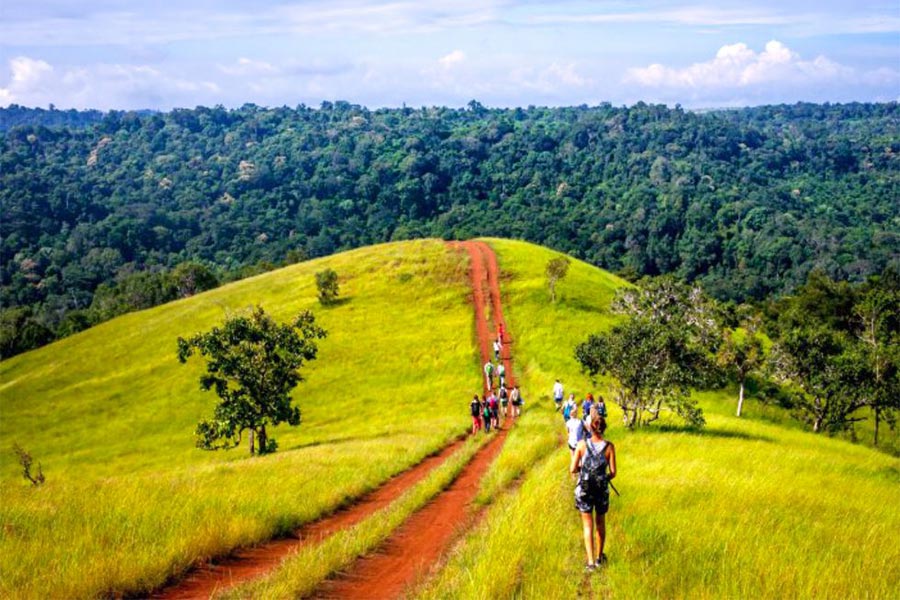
x,y
575,427
558,394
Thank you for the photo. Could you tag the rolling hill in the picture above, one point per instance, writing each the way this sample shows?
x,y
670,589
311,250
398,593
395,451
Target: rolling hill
x,y
745,508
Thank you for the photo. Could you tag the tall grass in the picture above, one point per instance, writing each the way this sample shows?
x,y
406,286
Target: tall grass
x,y
302,572
129,502
744,509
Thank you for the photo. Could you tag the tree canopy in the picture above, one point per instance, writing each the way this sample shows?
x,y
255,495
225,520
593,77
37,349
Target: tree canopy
x,y
252,363
746,202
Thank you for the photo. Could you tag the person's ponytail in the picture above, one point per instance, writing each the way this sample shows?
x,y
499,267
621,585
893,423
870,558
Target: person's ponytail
x,y
598,424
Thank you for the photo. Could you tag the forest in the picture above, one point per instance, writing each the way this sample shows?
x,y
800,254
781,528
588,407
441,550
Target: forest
x,y
103,213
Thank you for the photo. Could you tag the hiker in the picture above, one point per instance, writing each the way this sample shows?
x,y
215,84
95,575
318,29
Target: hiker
x,y
501,331
504,400
600,405
497,348
486,415
569,408
586,406
495,416
475,410
489,374
577,431
558,394
594,461
515,398
501,374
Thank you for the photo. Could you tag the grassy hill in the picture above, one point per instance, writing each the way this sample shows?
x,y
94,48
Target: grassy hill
x,y
110,414
747,508
744,509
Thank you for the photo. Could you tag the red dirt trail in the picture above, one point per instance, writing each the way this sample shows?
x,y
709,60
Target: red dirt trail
x,y
405,557
249,563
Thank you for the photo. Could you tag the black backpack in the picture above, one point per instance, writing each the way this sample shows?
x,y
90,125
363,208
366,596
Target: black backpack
x,y
594,466
475,407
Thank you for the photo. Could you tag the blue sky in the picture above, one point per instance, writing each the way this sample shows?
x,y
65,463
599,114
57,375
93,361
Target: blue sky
x,y
128,55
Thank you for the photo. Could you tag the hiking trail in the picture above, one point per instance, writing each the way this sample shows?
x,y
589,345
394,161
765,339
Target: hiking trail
x,y
408,553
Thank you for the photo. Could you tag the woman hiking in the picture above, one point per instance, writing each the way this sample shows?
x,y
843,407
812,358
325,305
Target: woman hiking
x,y
594,462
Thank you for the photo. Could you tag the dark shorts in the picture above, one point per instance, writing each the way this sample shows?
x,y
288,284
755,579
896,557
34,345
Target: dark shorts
x,y
590,499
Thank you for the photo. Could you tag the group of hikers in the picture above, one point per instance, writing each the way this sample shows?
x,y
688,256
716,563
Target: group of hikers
x,y
593,465
499,402
593,458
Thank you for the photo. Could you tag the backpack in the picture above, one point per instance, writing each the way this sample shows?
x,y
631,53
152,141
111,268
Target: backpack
x,y
475,408
593,466
566,410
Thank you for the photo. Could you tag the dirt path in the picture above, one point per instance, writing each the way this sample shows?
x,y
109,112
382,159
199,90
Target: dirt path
x,y
421,540
249,563
408,555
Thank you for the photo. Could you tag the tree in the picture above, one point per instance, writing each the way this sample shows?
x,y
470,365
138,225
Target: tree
x,y
191,278
878,313
741,353
663,350
557,268
654,368
837,351
826,373
327,284
252,364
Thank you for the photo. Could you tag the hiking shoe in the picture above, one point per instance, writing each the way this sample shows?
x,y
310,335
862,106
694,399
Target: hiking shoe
x,y
601,561
590,568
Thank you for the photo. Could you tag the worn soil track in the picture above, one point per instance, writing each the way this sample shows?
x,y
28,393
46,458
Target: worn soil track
x,y
417,544
406,557
249,563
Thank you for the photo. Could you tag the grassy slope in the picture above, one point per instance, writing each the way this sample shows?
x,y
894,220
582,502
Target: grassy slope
x,y
110,414
746,509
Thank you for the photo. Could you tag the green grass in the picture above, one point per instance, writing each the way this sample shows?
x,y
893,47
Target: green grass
x,y
755,507
745,509
300,573
129,502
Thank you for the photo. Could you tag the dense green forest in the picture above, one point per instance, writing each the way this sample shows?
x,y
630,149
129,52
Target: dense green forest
x,y
105,215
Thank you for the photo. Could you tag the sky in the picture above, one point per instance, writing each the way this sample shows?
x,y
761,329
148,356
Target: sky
x,y
162,54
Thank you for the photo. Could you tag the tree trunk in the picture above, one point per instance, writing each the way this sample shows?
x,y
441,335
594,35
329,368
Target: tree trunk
x,y
877,420
252,449
740,400
263,440
817,424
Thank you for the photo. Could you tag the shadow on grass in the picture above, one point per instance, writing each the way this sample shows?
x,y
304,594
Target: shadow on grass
x,y
706,432
341,439
582,305
336,302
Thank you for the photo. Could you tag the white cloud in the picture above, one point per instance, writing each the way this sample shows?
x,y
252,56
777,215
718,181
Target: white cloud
x,y
246,66
34,82
552,79
454,58
26,75
738,66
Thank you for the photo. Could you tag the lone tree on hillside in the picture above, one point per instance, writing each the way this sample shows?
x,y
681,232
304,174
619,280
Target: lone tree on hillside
x,y
663,350
741,354
252,363
327,284
556,272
